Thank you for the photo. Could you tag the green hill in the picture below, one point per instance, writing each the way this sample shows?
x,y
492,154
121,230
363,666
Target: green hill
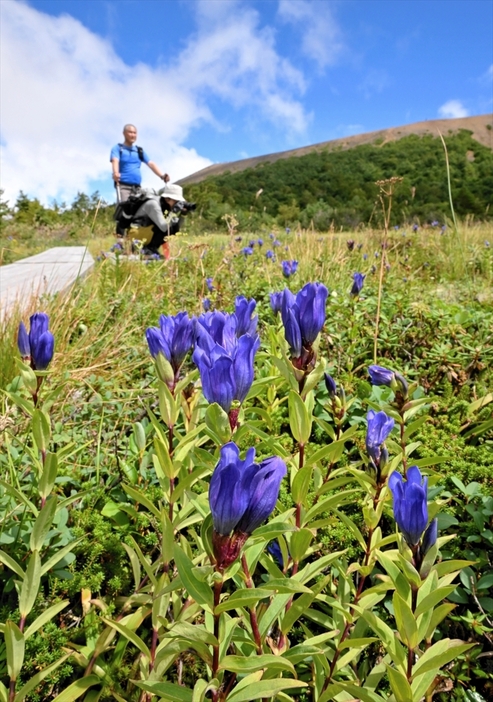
x,y
336,186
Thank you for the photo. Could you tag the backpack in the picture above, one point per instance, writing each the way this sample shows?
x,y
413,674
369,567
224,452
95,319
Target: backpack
x,y
126,211
140,152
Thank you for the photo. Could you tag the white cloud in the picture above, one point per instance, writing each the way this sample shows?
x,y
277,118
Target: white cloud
x,y
64,89
321,35
452,110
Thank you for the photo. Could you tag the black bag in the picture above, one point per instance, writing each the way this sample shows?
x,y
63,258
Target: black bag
x,y
126,211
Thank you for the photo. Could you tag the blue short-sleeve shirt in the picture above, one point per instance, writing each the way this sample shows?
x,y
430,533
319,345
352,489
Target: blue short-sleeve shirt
x,y
129,163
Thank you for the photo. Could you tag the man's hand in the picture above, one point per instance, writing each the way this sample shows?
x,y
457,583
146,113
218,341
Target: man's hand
x,y
165,177
116,177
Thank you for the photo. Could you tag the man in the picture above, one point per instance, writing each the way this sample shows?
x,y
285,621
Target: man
x,y
125,162
158,218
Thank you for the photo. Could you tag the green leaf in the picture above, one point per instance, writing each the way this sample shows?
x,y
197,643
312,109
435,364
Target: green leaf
x,y
299,543
163,457
139,496
301,483
30,585
45,617
283,585
41,429
58,555
356,692
400,685
130,636
197,589
433,599
42,524
242,665
243,598
77,688
14,649
406,623
168,406
300,420
4,693
218,422
438,655
48,476
33,683
10,563
166,691
264,689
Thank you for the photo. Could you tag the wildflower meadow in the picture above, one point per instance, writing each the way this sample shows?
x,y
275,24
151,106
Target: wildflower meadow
x,y
258,470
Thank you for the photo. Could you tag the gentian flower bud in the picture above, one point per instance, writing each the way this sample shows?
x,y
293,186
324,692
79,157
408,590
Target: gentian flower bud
x,y
358,280
245,323
331,386
395,381
276,301
23,341
411,506
210,286
379,427
206,304
380,375
39,344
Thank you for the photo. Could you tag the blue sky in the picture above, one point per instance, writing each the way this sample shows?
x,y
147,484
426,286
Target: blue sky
x,y
210,81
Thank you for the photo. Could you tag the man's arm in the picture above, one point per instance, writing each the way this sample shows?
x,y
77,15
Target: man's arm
x,y
158,172
115,165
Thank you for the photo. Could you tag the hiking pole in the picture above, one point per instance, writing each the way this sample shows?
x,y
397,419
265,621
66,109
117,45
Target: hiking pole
x,y
118,193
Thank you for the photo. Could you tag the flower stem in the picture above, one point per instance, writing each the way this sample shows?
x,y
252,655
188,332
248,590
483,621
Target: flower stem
x,y
253,609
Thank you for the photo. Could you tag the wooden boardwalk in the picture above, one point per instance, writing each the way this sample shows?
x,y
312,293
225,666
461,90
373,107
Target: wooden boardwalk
x,y
49,272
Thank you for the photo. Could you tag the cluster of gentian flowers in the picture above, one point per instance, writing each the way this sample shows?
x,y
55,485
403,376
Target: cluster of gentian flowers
x,y
289,268
224,349
37,346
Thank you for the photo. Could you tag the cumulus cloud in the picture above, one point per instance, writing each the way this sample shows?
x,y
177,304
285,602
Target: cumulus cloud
x,y
321,35
64,88
452,109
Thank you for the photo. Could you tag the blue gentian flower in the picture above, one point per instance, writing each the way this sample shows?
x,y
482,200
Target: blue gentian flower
x,y
210,286
247,251
379,427
174,338
269,254
276,301
206,304
245,323
303,316
358,281
411,507
276,242
380,375
242,494
226,373
39,344
288,230
260,242
289,268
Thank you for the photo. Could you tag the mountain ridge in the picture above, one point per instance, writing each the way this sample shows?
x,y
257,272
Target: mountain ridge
x,y
481,127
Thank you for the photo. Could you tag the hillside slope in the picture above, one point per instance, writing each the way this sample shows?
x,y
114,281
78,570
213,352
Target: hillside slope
x,y
481,127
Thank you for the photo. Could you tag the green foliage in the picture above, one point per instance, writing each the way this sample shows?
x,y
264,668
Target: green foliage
x,y
337,188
